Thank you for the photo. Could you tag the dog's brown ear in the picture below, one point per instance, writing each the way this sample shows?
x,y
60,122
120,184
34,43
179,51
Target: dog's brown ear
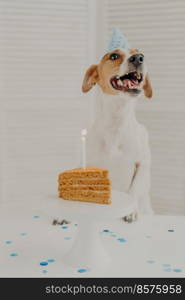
x,y
90,79
147,87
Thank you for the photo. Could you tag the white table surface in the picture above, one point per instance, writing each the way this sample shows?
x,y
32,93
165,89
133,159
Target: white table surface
x,y
145,248
122,205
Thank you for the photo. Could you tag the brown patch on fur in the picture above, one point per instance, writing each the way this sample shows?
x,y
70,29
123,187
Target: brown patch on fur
x,y
133,51
90,79
102,73
147,87
137,164
118,61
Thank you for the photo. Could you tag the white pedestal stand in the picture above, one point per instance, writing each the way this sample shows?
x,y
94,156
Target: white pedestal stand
x,y
88,249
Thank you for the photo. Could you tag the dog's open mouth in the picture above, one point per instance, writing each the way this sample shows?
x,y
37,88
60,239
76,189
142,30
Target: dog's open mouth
x,y
128,82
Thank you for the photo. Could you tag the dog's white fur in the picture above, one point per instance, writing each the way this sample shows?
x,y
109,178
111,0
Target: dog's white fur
x,y
117,141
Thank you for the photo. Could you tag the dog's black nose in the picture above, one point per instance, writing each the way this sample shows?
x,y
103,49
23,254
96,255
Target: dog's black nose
x,y
136,59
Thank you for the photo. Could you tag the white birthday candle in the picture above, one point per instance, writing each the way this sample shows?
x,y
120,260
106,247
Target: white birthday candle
x,y
83,139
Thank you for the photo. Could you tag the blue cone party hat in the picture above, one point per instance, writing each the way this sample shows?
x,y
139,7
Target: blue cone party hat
x,y
118,41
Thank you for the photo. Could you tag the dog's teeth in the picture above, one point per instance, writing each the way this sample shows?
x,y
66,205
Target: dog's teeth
x,y
120,82
117,77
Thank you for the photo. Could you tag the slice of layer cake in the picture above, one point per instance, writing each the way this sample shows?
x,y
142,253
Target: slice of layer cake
x,y
89,185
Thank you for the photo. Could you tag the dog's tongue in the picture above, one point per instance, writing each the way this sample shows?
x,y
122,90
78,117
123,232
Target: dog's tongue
x,y
129,84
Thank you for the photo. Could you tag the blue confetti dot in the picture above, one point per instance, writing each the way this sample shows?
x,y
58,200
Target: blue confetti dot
x,y
44,271
23,233
105,230
171,230
177,270
36,217
82,270
64,227
13,254
167,270
121,240
8,242
51,260
43,263
150,261
67,238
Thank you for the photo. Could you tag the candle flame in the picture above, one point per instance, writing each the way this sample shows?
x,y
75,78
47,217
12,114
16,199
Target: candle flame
x,y
84,132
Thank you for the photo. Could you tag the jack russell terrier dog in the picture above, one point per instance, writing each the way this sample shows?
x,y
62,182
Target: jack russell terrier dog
x,y
117,141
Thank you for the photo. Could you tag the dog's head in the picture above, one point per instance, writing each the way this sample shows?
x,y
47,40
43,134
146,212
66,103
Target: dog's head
x,y
120,72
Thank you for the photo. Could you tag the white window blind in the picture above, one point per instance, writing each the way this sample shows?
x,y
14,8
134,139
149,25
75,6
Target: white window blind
x,y
158,29
45,47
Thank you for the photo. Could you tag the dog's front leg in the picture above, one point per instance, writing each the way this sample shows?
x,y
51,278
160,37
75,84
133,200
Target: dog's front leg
x,y
140,185
140,188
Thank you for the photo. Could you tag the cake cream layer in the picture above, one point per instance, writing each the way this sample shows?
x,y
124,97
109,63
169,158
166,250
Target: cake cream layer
x,y
84,181
87,196
84,188
88,172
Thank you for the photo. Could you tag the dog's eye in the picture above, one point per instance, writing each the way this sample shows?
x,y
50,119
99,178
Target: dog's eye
x,y
114,56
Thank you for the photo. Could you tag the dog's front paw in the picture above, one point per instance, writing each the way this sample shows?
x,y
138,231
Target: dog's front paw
x,y
130,218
